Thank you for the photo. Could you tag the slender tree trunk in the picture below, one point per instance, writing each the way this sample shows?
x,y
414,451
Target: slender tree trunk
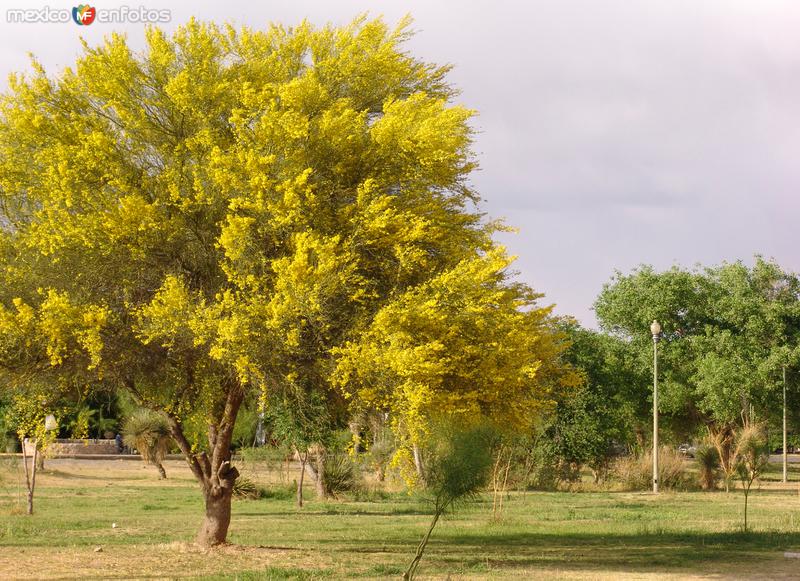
x,y
303,461
418,463
320,480
497,500
30,476
412,568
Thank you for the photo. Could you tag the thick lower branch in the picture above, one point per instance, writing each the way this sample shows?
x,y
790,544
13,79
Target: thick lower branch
x,y
186,449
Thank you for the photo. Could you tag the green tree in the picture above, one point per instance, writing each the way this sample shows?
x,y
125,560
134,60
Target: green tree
x,y
592,421
728,330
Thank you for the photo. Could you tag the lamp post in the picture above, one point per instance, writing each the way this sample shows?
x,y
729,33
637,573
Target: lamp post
x,y
655,329
50,423
785,453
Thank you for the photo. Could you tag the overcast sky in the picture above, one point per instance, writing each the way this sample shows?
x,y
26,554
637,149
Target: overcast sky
x,y
611,133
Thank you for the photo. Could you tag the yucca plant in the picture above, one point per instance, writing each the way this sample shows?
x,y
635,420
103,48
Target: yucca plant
x,y
340,474
708,464
245,489
148,432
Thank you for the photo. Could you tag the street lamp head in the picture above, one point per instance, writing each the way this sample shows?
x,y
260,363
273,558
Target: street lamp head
x,y
655,329
50,423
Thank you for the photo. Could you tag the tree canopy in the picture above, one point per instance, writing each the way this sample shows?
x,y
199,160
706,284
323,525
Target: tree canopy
x,y
234,210
727,332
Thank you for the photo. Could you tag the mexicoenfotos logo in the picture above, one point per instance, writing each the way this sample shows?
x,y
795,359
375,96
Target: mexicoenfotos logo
x,y
83,15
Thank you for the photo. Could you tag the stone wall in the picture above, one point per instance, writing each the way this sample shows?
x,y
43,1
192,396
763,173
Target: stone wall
x,y
76,447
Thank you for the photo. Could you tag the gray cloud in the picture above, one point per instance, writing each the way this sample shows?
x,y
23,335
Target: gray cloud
x,y
611,133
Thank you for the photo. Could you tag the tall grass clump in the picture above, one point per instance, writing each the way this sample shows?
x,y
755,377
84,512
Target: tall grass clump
x,y
635,472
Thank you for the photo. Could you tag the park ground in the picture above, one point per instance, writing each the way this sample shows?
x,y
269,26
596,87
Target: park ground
x,y
372,534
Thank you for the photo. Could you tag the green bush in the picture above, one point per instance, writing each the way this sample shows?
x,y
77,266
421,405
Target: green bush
x,y
279,492
458,464
708,466
245,489
340,473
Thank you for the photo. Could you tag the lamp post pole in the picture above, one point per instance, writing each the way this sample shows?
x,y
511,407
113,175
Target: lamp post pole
x,y
785,453
655,329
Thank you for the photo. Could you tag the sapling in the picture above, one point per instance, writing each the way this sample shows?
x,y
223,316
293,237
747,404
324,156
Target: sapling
x,y
459,462
752,457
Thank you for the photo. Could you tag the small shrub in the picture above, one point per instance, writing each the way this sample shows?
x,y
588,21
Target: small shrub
x,y
371,494
635,472
708,465
672,470
148,432
752,458
279,492
340,474
459,464
245,489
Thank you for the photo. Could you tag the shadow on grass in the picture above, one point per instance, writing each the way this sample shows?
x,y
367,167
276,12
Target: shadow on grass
x,y
636,552
94,477
337,512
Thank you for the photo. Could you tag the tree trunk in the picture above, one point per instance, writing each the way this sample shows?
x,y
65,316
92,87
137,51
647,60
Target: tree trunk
x,y
320,480
214,530
215,473
30,478
418,463
412,568
32,485
303,461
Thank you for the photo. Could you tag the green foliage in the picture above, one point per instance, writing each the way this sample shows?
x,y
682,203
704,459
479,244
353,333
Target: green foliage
x,y
340,474
592,421
244,431
78,425
727,332
458,461
245,489
708,464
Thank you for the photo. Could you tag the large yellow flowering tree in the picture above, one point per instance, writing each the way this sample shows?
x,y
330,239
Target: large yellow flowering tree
x,y
228,210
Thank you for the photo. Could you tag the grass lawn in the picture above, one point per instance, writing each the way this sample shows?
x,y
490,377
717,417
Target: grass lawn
x,y
586,535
